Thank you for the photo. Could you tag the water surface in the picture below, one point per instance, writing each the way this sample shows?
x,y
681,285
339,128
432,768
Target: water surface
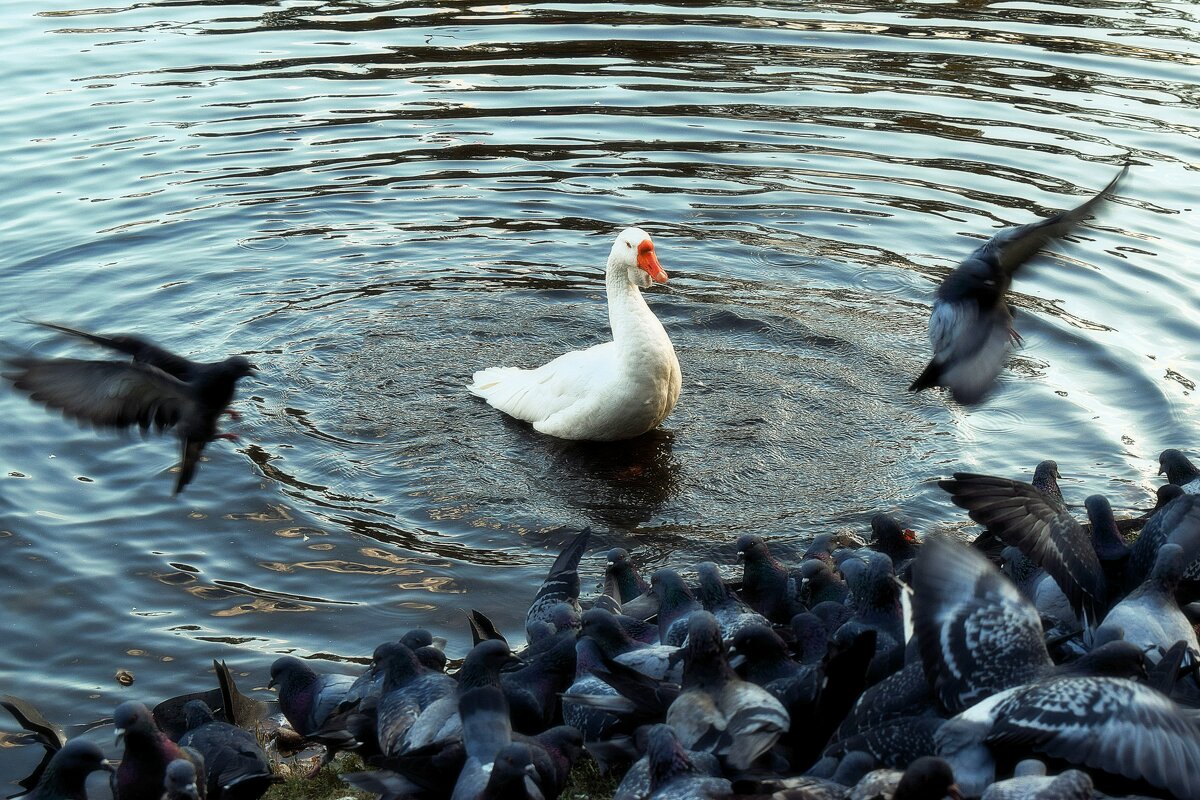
x,y
371,200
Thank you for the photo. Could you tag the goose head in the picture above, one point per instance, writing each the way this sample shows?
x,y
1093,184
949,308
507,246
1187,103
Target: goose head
x,y
632,256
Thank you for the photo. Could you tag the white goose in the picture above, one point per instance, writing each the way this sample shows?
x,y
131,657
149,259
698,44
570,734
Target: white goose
x,y
616,390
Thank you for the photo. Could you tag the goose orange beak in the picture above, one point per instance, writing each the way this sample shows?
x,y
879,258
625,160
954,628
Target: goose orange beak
x,y
647,261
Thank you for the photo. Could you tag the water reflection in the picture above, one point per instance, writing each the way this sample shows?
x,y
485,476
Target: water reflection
x,y
621,484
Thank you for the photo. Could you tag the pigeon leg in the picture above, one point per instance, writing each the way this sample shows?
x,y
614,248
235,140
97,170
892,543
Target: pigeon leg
x,y
233,437
236,416
1016,337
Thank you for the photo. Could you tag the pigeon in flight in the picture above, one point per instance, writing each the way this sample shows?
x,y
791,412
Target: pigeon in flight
x,y
970,327
157,388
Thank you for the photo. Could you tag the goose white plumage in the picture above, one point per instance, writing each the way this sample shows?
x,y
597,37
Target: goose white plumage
x,y
616,390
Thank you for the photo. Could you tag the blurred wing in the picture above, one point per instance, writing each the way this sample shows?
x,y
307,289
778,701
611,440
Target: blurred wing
x,y
1038,525
969,349
1012,247
106,394
141,349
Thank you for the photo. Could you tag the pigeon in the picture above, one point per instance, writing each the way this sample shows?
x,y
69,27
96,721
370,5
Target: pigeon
x,y
717,711
896,542
764,580
1178,518
440,721
532,690
180,781
717,599
673,775
306,697
621,578
561,584
675,603
495,767
970,327
157,388
1149,617
594,723
148,751
408,689
1179,471
818,583
65,777
237,767
812,639
1030,782
875,595
658,661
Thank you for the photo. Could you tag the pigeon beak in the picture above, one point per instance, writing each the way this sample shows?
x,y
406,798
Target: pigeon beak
x,y
118,736
107,766
736,660
513,662
1162,470
741,557
271,684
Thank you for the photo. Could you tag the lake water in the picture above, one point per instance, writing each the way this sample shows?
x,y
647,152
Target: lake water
x,y
373,199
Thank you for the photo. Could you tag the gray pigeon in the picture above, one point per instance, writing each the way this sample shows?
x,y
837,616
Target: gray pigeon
x,y
971,325
1179,470
157,388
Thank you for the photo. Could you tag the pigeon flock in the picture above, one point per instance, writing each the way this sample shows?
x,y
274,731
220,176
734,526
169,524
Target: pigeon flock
x,y
1051,658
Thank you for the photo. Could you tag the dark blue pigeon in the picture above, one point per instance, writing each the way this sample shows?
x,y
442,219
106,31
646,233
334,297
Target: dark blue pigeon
x,y
818,583
65,777
408,689
905,693
895,541
812,638
561,584
181,782
970,327
486,731
717,599
237,767
157,388
673,776
658,661
1179,471
306,697
532,690
621,578
675,603
764,580
513,776
875,599
148,751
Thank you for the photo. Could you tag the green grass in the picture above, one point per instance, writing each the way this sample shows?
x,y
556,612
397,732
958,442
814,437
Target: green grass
x,y
586,782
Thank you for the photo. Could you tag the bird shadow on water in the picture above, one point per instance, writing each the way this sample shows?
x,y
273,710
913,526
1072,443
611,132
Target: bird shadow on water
x,y
619,484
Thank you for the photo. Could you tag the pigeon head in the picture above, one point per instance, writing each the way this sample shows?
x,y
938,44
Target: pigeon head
x,y
713,591
1176,466
622,576
132,720
196,713
397,663
669,588
417,637
751,547
1045,478
1165,494
238,367
666,756
180,780
605,630
513,773
291,675
483,664
431,657
1169,567
758,642
68,770
818,582
925,778
873,584
564,743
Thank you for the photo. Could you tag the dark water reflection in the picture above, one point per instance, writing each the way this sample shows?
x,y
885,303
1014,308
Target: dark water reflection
x,y
374,199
